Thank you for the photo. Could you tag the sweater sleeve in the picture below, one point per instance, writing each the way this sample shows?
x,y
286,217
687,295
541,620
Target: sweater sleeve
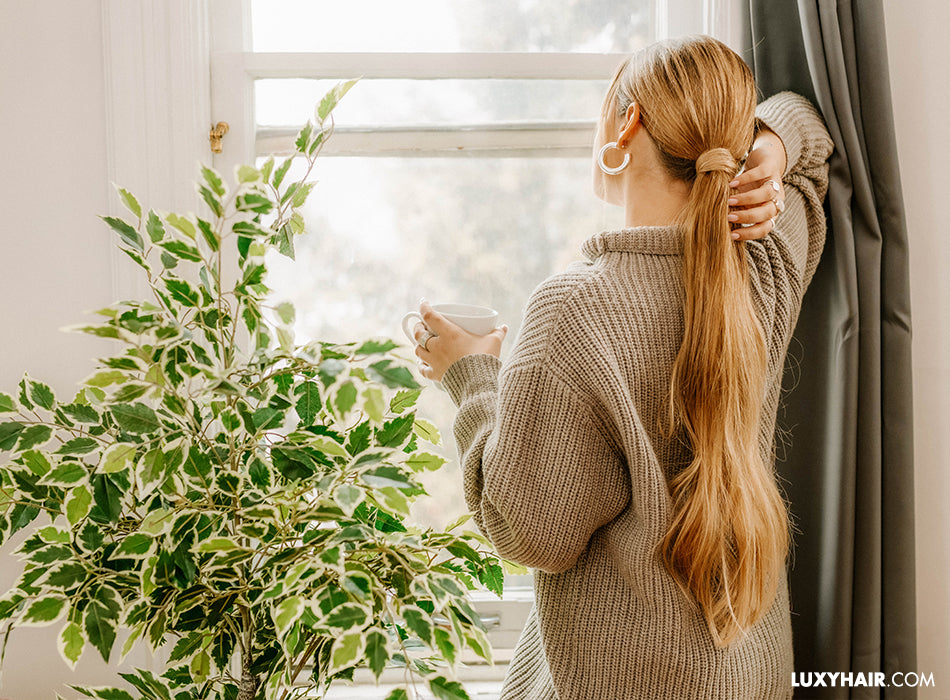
x,y
807,143
540,476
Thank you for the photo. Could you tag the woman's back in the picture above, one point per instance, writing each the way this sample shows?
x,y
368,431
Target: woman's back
x,y
568,456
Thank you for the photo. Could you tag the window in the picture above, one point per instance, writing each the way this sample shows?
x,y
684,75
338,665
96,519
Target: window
x,y
460,166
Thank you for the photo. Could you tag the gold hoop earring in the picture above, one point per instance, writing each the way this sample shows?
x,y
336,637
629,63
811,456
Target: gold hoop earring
x,y
603,164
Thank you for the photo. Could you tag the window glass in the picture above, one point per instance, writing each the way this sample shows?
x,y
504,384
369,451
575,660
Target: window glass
x,y
598,26
383,232
441,102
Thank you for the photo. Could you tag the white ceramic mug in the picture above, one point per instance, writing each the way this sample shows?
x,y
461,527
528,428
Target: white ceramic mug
x,y
479,320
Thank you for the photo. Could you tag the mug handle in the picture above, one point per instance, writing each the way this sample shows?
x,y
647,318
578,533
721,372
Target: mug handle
x,y
405,325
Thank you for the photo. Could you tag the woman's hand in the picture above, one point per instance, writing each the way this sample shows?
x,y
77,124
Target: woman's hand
x,y
441,342
760,195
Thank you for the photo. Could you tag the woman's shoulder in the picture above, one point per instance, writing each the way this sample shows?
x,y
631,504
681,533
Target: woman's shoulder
x,y
553,304
550,300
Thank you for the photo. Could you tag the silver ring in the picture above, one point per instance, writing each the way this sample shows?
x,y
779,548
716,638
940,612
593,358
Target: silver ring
x,y
425,341
779,203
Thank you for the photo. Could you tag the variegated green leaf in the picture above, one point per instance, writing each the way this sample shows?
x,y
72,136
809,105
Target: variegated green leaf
x,y
425,461
36,462
70,643
7,403
54,535
348,497
417,621
68,473
78,504
377,651
287,613
427,431
374,404
183,224
200,666
404,400
347,650
329,446
444,689
44,611
116,458
348,616
156,522
130,202
217,544
134,546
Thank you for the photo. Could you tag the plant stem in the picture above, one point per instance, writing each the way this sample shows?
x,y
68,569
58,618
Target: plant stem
x,y
298,667
248,687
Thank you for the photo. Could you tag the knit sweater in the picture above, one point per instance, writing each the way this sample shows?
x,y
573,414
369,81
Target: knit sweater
x,y
566,463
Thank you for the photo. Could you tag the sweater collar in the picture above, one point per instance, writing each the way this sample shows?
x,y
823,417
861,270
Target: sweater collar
x,y
652,240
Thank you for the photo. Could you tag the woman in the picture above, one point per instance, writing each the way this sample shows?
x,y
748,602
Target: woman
x,y
625,448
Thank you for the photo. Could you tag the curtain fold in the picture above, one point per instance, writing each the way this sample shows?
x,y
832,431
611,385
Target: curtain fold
x,y
848,467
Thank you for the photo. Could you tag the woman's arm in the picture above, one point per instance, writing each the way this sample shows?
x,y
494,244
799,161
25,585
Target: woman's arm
x,y
807,144
540,475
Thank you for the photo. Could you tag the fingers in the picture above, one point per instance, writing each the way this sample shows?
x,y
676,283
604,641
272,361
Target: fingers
x,y
755,196
752,176
754,232
421,334
435,321
426,371
754,215
501,333
752,210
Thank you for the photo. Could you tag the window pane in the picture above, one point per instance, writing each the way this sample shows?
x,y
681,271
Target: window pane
x,y
383,232
403,102
597,26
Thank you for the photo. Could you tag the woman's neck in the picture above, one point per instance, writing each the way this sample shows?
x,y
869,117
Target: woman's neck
x,y
652,201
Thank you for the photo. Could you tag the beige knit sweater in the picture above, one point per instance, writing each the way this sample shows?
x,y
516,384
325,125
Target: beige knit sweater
x,y
566,465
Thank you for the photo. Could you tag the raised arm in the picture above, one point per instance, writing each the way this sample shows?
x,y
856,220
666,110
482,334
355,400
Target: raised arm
x,y
791,133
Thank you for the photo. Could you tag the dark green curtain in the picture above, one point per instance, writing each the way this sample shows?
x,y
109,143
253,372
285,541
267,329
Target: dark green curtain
x,y
848,465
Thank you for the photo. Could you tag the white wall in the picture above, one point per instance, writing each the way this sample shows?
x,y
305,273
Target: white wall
x,y
55,261
919,54
54,252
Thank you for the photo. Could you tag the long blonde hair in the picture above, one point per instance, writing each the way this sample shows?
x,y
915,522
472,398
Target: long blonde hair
x,y
728,539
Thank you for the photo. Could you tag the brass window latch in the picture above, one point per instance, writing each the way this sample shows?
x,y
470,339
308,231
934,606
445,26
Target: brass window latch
x,y
217,132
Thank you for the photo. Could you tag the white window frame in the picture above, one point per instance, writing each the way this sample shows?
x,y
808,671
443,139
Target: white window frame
x,y
564,138
235,67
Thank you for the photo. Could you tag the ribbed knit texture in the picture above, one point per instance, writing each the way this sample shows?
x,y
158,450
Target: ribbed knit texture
x,y
566,461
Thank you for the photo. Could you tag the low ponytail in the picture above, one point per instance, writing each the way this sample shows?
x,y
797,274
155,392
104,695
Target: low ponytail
x,y
727,541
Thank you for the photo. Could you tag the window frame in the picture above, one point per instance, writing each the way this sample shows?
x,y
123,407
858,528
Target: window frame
x,y
500,139
235,67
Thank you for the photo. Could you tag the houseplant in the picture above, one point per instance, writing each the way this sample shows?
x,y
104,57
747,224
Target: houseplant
x,y
230,498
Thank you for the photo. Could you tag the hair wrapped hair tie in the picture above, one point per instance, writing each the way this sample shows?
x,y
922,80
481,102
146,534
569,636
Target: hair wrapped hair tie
x,y
716,159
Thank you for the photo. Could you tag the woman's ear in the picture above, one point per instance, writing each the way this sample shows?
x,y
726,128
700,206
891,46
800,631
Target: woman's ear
x,y
630,125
